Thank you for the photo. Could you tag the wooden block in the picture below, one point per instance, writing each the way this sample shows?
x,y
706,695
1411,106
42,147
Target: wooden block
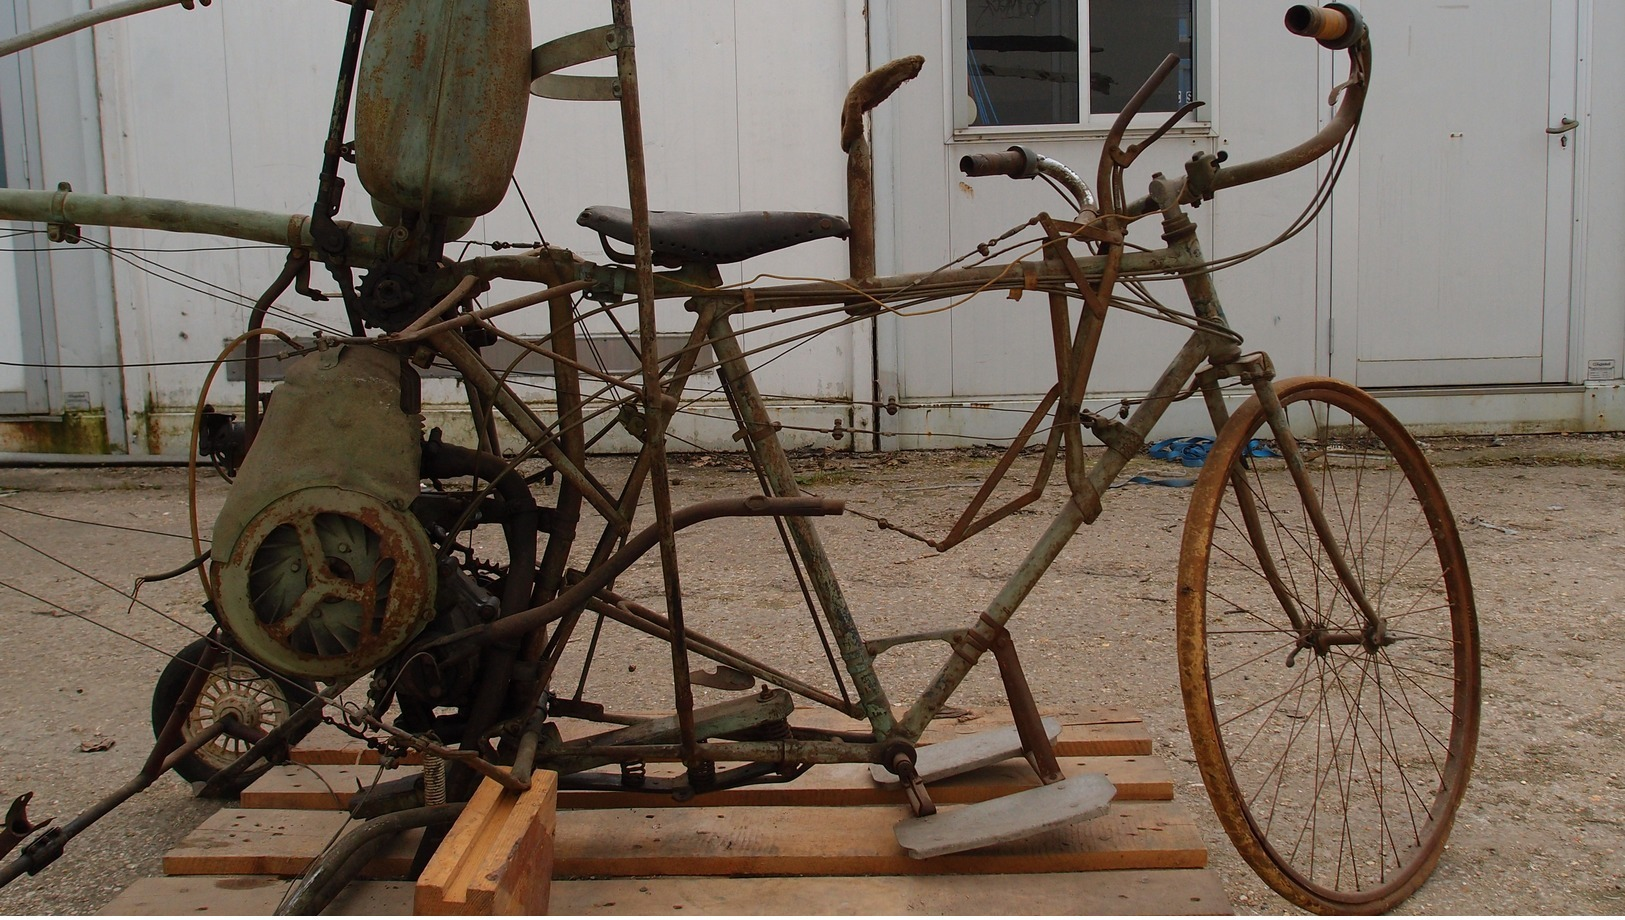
x,y
251,895
1136,778
1104,893
303,785
275,841
853,841
498,857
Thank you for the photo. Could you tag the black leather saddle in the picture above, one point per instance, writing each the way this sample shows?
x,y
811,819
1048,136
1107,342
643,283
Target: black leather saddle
x,y
679,237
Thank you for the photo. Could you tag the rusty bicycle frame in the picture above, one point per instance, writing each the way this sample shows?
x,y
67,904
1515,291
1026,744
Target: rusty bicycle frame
x,y
534,638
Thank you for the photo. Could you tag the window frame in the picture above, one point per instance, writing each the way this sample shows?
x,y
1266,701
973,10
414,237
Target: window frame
x,y
1090,125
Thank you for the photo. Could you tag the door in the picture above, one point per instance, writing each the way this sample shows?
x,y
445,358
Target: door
x,y
1459,268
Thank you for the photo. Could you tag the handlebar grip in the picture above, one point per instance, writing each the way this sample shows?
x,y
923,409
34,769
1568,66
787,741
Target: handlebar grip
x,y
1017,163
1336,25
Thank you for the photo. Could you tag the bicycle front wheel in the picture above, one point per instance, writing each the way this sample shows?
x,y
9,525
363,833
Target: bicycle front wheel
x,y
1334,738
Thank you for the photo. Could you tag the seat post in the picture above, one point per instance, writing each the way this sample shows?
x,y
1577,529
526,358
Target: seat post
x,y
870,90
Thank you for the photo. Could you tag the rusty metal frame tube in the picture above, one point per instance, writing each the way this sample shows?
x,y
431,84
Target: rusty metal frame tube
x,y
296,262
641,618
344,860
1080,510
754,421
46,848
809,751
628,503
454,348
1024,710
656,413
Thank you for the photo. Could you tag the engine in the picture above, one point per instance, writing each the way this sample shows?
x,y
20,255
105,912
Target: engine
x,y
321,570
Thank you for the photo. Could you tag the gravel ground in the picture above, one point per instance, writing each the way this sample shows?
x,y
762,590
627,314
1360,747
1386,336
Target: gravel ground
x,y
1542,829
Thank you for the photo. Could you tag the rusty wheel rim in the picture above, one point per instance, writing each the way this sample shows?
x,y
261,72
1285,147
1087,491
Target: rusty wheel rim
x,y
1337,777
237,689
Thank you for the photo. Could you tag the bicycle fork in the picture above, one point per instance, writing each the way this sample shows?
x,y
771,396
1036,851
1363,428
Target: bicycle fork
x,y
1258,371
1225,362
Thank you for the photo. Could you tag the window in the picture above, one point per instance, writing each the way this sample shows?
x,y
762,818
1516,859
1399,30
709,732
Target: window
x,y
1024,61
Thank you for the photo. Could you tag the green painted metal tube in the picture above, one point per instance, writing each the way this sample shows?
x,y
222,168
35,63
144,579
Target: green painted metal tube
x,y
758,426
367,243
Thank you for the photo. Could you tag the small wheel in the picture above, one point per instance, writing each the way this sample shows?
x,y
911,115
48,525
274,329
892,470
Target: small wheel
x,y
1335,749
235,686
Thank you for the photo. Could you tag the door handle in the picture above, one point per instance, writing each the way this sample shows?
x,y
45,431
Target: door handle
x,y
1564,126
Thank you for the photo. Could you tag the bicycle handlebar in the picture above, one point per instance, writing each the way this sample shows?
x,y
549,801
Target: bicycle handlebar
x,y
1337,26
1014,163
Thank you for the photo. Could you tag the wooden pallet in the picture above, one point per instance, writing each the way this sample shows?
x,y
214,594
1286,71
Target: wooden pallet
x,y
758,850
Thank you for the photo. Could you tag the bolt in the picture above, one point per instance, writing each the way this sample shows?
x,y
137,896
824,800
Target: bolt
x,y
344,548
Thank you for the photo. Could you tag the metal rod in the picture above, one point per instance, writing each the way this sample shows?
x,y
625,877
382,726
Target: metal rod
x,y
641,542
85,20
296,262
645,620
344,860
1024,710
455,348
48,846
655,413
366,243
756,424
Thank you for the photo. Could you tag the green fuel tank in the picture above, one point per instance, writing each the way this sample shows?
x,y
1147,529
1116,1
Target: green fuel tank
x,y
440,103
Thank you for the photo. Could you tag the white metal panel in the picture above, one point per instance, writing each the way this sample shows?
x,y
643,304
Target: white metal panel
x,y
1454,286
1598,337
792,78
12,377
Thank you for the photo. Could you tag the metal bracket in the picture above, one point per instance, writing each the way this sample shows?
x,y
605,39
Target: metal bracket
x,y
548,58
919,798
64,230
17,826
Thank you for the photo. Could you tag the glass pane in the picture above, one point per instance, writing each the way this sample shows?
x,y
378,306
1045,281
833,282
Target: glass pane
x,y
1022,61
1127,40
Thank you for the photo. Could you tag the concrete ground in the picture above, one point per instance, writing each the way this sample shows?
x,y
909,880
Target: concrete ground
x,y
1542,829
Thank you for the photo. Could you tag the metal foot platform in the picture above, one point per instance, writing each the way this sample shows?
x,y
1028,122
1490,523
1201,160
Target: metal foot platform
x,y
1012,817
967,753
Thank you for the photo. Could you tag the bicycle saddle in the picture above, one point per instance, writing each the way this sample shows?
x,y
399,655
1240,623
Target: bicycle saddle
x,y
679,236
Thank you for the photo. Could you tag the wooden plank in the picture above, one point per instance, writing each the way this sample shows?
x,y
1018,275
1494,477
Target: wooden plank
x,y
498,857
1104,893
328,786
1136,779
275,841
853,841
249,895
1108,892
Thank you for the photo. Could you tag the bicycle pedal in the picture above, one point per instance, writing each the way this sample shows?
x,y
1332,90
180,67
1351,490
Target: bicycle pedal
x,y
1007,818
965,753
